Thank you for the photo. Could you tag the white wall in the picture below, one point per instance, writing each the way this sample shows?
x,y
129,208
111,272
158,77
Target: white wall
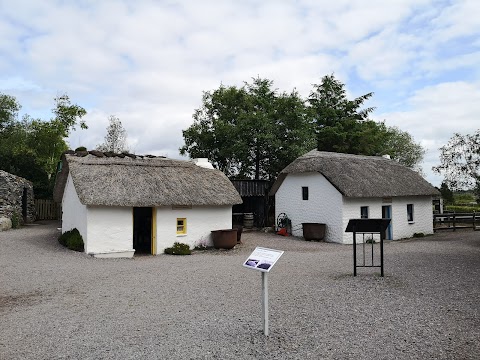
x,y
110,229
401,228
324,204
201,220
74,213
422,216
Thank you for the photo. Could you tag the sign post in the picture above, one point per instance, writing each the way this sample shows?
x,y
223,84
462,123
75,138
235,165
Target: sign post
x,y
265,302
263,259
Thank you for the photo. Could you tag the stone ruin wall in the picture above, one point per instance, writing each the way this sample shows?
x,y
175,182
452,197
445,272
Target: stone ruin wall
x,y
11,193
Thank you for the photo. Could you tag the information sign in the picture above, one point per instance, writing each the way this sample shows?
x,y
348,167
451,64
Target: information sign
x,y
262,259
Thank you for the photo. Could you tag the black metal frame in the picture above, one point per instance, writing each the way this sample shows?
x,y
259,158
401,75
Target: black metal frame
x,y
367,226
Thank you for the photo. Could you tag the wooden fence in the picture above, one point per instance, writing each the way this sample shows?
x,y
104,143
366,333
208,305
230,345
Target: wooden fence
x,y
454,221
47,210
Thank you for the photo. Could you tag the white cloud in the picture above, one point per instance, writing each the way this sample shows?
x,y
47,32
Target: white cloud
x,y
433,114
148,62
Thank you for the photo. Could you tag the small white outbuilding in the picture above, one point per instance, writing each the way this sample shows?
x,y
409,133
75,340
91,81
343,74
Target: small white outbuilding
x,y
331,188
125,204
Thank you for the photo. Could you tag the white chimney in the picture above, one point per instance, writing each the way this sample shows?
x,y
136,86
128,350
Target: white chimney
x,y
203,162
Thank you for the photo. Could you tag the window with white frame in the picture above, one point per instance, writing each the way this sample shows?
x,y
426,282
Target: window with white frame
x,y
364,212
410,212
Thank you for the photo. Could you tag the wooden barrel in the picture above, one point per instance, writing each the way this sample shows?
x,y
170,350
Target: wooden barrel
x,y
248,220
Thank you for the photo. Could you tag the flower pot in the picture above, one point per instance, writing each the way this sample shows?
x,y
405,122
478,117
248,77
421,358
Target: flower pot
x,y
313,231
224,239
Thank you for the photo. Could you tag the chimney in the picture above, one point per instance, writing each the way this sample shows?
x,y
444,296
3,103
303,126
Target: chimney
x,y
203,162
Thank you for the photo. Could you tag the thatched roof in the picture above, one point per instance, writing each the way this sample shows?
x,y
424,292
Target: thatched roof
x,y
360,176
130,180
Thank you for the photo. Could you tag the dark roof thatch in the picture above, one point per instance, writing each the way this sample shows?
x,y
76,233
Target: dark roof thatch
x,y
143,181
360,176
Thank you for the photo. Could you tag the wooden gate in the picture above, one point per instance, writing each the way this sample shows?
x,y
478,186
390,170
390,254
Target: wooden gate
x,y
47,210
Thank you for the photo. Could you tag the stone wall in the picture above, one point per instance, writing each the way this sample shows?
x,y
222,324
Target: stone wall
x,y
11,197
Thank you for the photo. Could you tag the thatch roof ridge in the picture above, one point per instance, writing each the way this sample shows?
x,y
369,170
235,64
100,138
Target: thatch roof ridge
x,y
360,175
144,181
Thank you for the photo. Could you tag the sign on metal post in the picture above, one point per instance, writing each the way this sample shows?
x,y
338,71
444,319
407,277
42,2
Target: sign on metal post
x,y
263,259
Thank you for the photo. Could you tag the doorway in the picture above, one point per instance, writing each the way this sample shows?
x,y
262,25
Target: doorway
x,y
387,214
144,230
25,205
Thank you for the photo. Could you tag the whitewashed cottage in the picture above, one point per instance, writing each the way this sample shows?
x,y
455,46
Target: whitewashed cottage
x,y
331,188
126,204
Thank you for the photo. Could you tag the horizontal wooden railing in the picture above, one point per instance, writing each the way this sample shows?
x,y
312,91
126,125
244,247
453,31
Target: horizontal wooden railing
x,y
47,210
453,221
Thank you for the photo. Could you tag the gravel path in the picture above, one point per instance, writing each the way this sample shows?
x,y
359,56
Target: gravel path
x,y
58,304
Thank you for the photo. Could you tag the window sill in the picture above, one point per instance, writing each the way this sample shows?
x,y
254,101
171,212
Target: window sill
x,y
181,235
411,222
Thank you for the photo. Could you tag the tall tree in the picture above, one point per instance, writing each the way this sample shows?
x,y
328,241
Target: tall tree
x,y
249,132
116,138
339,121
460,161
31,147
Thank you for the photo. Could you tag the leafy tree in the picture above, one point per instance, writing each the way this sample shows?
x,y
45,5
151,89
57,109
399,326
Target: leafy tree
x,y
342,125
116,138
447,194
249,132
9,108
67,115
460,161
401,146
31,148
339,122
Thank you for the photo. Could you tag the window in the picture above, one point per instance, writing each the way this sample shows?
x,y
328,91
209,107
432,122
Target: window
x,y
181,226
364,212
305,192
410,212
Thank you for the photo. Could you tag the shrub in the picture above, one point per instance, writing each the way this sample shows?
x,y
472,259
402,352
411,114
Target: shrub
x,y
15,221
370,241
72,239
418,235
178,249
81,148
462,209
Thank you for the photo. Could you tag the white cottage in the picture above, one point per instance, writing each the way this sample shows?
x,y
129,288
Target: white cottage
x,y
331,188
123,205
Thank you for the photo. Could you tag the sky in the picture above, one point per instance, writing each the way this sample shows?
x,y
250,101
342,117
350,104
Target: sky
x,y
148,62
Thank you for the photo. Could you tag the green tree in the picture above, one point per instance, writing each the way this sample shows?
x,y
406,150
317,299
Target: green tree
x,y
249,132
460,161
116,138
31,148
447,194
9,108
401,146
341,125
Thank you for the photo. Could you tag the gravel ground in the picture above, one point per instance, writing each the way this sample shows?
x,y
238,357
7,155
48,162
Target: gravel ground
x,y
59,304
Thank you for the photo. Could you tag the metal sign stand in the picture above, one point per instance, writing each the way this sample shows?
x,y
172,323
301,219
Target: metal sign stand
x,y
265,302
263,259
367,226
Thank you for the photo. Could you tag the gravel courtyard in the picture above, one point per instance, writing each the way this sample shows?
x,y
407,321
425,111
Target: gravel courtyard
x,y
58,304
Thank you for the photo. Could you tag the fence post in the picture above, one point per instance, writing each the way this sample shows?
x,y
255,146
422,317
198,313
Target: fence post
x,y
454,221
